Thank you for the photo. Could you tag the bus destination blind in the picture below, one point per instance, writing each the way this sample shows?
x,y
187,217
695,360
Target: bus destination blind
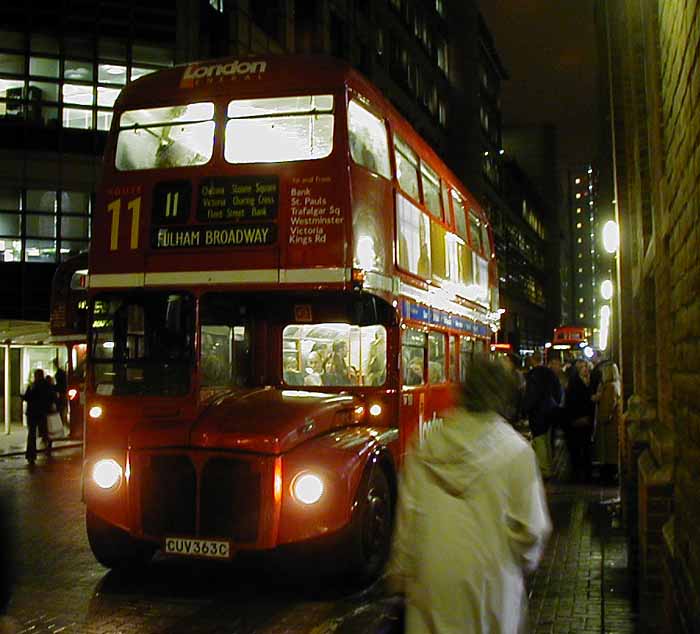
x,y
234,198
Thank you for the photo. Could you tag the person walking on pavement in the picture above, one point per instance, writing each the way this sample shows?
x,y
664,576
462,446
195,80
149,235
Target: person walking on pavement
x,y
579,421
472,516
38,396
542,398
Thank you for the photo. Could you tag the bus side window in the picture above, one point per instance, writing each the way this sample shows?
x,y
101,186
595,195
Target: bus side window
x,y
436,358
216,355
454,377
367,134
413,357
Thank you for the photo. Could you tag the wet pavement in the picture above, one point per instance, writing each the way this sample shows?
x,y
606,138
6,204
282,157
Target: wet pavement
x,y
581,587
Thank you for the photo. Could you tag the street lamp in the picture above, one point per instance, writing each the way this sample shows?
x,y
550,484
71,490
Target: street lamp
x,y
611,236
606,290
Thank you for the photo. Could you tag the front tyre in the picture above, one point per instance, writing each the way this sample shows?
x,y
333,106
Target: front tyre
x,y
113,547
370,533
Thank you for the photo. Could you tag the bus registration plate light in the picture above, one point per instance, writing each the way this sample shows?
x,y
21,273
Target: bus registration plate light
x,y
191,547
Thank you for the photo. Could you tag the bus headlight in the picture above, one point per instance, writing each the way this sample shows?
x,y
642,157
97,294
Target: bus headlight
x,y
307,488
107,474
95,411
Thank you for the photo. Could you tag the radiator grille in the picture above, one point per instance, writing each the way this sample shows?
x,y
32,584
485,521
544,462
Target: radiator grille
x,y
230,500
168,496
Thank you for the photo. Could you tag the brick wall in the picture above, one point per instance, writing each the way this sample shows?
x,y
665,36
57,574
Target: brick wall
x,y
655,85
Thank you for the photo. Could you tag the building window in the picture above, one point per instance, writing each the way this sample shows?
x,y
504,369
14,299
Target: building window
x,y
77,92
56,223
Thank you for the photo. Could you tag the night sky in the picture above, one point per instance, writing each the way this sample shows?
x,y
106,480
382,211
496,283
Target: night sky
x,y
548,48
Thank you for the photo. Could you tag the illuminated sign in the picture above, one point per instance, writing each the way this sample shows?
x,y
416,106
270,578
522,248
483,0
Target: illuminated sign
x,y
250,235
238,198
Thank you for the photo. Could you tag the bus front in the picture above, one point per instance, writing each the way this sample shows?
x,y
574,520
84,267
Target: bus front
x,y
230,358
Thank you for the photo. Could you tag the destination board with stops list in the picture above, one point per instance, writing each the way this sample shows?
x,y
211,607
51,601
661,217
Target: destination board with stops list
x,y
234,198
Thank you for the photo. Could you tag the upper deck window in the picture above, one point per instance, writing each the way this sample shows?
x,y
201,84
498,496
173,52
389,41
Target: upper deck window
x,y
431,190
369,146
159,138
460,216
475,231
279,129
406,168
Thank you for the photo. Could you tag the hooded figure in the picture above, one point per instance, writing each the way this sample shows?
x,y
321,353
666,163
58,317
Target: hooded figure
x,y
472,516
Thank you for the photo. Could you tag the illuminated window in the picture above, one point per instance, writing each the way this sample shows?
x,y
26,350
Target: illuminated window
x,y
174,136
276,130
460,216
578,225
577,181
580,240
414,248
413,356
578,194
580,300
578,210
334,354
436,358
431,190
581,315
406,168
368,139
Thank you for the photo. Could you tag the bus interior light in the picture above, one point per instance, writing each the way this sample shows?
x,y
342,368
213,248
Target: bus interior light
x,y
307,488
107,473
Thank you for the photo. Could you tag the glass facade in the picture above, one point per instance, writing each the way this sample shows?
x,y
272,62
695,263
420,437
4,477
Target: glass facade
x,y
69,82
56,83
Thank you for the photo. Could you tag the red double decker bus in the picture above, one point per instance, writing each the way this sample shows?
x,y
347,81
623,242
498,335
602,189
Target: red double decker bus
x,y
285,283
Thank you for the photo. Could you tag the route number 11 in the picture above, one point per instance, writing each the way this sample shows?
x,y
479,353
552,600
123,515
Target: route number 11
x,y
115,209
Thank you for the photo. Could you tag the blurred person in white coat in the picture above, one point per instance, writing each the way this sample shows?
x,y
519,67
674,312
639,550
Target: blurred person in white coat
x,y
472,518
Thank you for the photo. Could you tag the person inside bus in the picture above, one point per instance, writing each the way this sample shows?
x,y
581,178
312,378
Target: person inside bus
x,y
336,369
376,366
292,376
413,367
314,369
472,515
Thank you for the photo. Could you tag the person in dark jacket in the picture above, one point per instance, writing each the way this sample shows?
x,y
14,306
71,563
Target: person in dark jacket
x,y
39,397
580,409
542,397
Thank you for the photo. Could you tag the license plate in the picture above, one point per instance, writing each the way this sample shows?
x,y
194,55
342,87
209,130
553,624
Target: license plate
x,y
189,547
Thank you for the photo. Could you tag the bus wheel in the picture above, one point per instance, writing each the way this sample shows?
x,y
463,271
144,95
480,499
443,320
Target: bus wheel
x,y
370,537
113,547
